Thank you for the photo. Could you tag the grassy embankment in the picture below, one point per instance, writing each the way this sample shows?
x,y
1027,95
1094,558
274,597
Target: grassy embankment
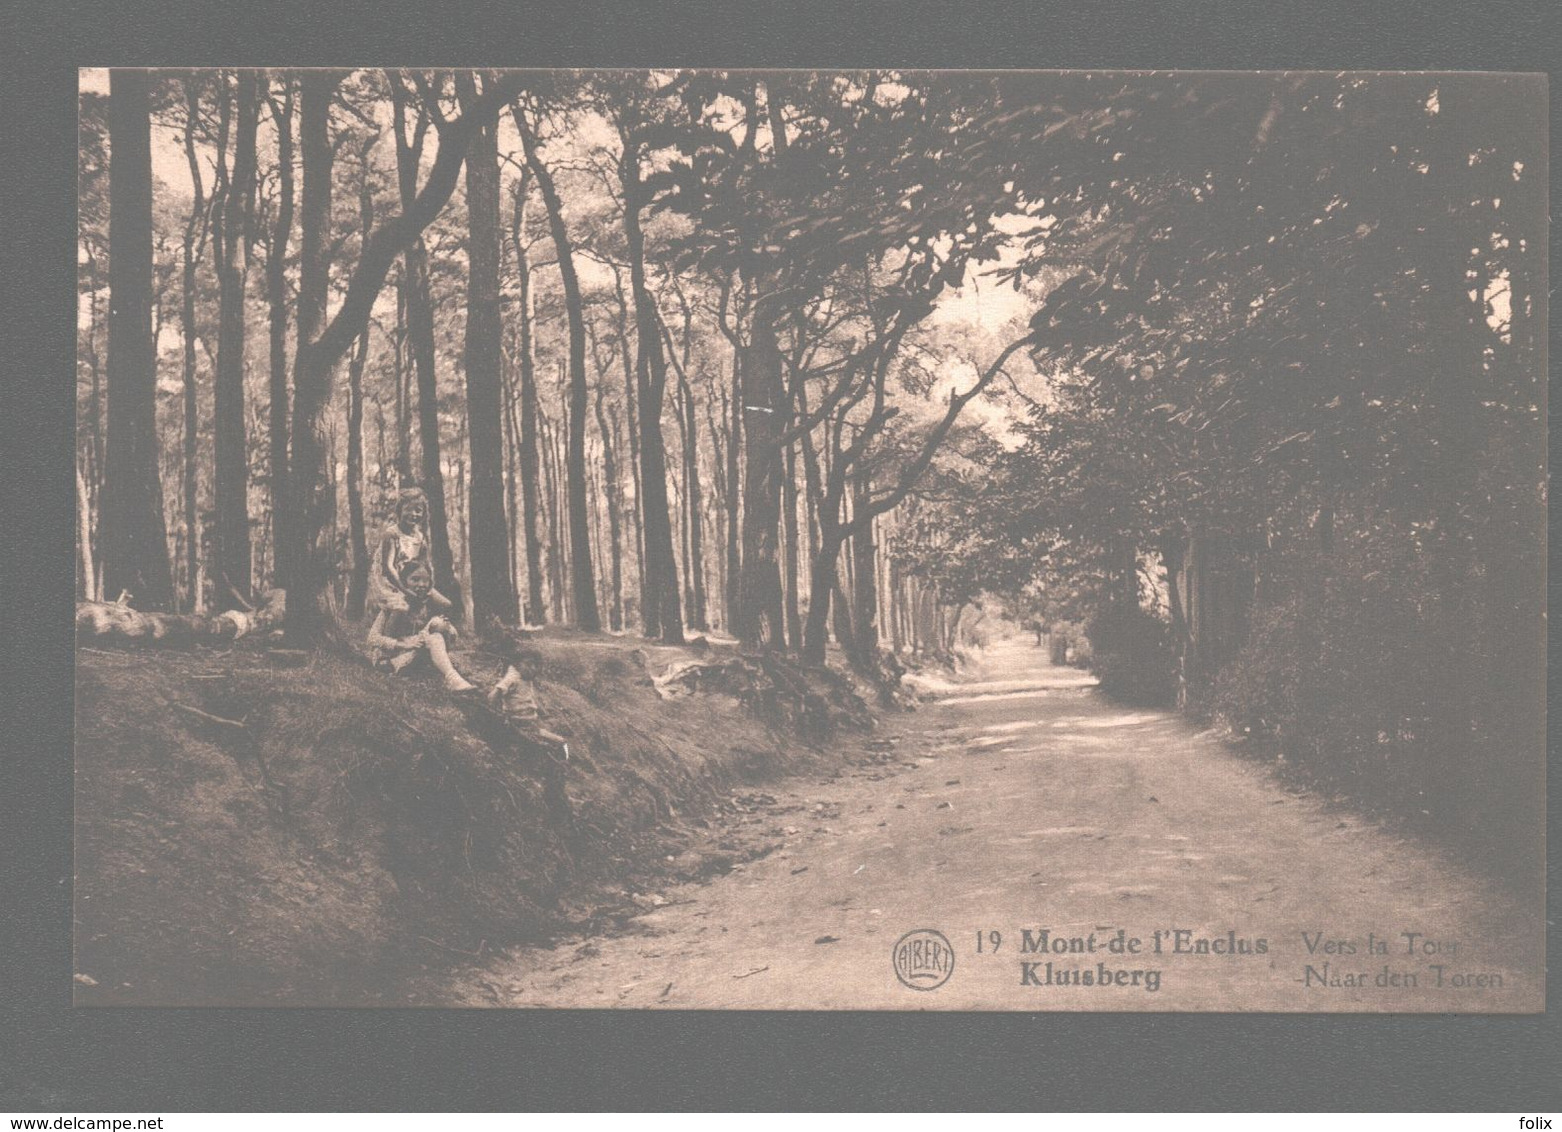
x,y
251,829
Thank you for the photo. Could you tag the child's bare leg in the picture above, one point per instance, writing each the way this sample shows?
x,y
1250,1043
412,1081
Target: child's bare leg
x,y
438,653
397,663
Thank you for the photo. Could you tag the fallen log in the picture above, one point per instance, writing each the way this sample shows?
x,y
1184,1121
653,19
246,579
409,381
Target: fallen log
x,y
116,621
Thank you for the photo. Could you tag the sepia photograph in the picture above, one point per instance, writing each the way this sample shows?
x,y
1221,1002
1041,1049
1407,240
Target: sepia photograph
x,y
874,539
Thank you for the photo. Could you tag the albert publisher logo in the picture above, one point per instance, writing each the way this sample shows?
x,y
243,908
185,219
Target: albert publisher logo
x,y
923,959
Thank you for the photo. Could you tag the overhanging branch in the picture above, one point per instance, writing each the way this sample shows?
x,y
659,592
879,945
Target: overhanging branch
x,y
391,238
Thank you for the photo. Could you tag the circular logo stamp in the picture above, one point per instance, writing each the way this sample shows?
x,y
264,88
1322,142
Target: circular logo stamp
x,y
923,959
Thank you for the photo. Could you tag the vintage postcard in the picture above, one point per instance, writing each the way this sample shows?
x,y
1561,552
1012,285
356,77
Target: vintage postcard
x,y
894,540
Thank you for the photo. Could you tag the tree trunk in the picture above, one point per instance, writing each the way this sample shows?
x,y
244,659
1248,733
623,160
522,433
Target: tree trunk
x,y
662,614
716,427
420,330
679,484
927,628
881,580
865,603
512,479
841,609
761,617
493,594
614,503
594,513
420,336
464,556
535,610
86,576
734,508
627,507
276,301
632,421
790,548
403,385
555,535
581,582
693,503
310,554
233,222
358,583
384,462
825,540
95,362
897,637
134,533
696,564
194,233
821,584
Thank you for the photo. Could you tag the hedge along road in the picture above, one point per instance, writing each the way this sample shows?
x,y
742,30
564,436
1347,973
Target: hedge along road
x,y
1021,801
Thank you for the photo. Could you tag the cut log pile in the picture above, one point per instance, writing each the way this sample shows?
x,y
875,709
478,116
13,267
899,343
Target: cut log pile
x,y
116,621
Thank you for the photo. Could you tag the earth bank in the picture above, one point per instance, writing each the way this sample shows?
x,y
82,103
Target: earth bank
x,y
260,827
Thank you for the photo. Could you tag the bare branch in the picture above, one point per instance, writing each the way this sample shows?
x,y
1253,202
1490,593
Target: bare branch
x,y
888,500
388,240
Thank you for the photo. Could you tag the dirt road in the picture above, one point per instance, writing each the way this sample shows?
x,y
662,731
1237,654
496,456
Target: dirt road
x,y
1020,802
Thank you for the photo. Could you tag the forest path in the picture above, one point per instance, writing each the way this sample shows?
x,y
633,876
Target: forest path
x,y
1028,801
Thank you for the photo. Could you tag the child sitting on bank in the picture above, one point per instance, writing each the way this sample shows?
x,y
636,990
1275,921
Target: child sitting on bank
x,y
398,638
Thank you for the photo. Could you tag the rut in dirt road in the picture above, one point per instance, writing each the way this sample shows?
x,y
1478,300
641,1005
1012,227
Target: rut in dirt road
x,y
1056,841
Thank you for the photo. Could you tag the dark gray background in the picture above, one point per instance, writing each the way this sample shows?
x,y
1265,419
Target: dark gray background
x,y
53,1059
